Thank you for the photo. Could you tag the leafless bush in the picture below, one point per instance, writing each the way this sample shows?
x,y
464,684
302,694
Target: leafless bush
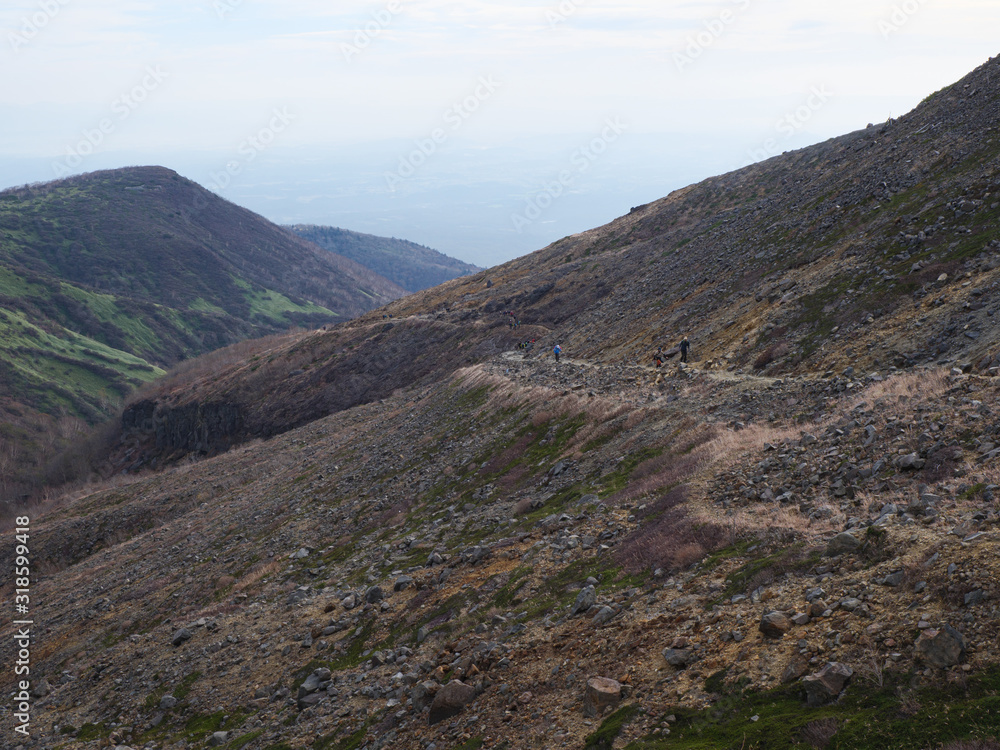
x,y
522,506
973,744
819,733
773,352
871,669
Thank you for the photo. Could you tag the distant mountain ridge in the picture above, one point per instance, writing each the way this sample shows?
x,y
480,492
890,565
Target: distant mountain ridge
x,y
414,267
108,278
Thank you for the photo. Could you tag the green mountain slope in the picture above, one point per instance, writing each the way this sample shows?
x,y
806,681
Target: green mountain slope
x,y
108,278
412,266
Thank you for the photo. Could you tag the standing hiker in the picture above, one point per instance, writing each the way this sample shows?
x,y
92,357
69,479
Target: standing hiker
x,y
557,351
684,346
658,357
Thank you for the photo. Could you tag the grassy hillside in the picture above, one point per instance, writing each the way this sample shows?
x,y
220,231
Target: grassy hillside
x,y
107,278
412,266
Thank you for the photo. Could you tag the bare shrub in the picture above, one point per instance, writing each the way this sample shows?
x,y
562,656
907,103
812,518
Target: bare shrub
x,y
661,472
773,352
819,733
973,744
522,506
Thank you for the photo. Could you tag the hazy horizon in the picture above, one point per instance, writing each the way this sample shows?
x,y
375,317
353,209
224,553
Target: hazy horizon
x,y
482,130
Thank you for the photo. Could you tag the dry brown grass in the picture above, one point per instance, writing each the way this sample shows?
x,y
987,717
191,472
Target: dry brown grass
x,y
922,384
257,573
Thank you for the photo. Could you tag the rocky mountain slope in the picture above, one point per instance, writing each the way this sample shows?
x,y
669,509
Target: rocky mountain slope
x,y
877,249
412,266
420,531
453,567
108,278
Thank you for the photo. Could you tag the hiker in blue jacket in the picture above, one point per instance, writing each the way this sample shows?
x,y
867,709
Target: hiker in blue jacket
x,y
557,351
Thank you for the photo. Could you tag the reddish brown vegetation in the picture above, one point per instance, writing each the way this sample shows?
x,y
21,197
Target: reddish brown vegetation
x,y
669,538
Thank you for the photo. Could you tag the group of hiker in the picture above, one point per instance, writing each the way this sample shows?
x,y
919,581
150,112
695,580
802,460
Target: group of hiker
x,y
682,348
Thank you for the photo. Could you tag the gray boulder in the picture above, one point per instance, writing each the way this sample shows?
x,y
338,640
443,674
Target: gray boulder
x,y
602,693
586,599
909,462
450,701
942,648
842,544
603,617
827,684
677,657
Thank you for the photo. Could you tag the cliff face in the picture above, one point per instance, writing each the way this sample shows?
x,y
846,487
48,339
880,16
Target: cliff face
x,y
203,429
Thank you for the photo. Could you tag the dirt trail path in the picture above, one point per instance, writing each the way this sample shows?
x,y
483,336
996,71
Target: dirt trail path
x,y
722,376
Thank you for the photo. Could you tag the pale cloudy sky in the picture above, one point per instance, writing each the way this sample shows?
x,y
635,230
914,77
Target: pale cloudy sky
x,y
206,85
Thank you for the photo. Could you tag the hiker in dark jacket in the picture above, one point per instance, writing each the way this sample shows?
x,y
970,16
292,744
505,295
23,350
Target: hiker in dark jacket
x,y
684,346
658,357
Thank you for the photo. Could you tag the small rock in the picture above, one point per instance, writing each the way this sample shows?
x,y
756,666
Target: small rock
x,y
181,636
795,669
775,625
218,739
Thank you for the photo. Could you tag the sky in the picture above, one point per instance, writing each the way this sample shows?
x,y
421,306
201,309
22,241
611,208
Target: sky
x,y
485,129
